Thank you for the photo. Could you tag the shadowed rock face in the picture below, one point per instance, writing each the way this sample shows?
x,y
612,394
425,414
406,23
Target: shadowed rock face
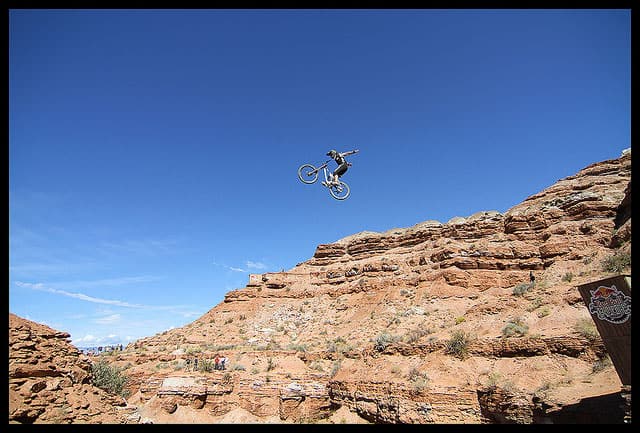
x,y
435,323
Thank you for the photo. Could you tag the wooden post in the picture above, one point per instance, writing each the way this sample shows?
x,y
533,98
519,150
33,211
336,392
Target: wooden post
x,y
609,302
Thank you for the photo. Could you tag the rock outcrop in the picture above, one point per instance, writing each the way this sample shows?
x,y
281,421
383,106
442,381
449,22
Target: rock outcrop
x,y
50,381
435,323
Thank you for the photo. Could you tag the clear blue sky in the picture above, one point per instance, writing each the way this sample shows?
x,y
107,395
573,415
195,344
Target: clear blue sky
x,y
153,153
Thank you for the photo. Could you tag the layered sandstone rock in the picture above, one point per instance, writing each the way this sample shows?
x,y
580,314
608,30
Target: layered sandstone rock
x,y
435,323
50,381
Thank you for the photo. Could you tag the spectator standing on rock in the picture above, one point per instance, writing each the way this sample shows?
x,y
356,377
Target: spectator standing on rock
x,y
223,363
532,279
216,363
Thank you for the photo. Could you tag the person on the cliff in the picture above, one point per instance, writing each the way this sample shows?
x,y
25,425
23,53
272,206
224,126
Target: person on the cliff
x,y
343,165
532,279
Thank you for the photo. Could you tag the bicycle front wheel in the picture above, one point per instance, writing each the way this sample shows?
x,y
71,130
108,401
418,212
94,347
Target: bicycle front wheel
x,y
307,173
340,192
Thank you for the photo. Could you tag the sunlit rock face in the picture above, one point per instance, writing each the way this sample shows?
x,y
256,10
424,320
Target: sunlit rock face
x,y
475,320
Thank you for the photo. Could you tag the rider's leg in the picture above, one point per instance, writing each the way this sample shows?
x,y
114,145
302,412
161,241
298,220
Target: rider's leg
x,y
342,169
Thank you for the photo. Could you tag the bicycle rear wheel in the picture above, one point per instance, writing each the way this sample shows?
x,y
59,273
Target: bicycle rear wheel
x,y
307,173
340,192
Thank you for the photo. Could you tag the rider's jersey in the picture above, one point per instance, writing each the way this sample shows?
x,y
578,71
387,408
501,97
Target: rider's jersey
x,y
339,159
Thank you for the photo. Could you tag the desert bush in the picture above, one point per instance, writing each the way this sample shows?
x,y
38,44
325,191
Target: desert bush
x,y
493,379
521,289
271,364
206,365
587,328
317,365
383,340
601,364
339,345
413,373
458,344
567,277
161,365
420,384
536,303
415,334
515,327
618,262
335,367
419,380
297,347
109,378
543,312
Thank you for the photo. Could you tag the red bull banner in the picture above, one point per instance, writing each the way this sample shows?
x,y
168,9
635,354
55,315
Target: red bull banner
x,y
609,303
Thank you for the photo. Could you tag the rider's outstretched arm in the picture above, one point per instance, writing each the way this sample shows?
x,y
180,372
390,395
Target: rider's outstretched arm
x,y
351,152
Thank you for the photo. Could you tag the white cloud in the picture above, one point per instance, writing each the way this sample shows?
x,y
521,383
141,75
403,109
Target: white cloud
x,y
231,268
86,339
81,296
256,265
108,320
111,281
249,264
91,340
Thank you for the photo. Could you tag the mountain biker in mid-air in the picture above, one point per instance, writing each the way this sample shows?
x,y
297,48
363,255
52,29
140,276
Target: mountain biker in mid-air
x,y
343,166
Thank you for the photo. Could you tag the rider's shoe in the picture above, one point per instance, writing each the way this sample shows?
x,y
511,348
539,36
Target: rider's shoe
x,y
324,183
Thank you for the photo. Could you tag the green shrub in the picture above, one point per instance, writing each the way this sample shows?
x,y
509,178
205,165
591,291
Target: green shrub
x,y
109,378
415,334
206,365
335,367
618,262
420,380
521,289
383,340
587,328
543,312
535,304
567,277
515,327
493,379
458,344
271,364
297,347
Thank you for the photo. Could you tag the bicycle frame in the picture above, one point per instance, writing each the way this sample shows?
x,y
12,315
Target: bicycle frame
x,y
325,171
308,173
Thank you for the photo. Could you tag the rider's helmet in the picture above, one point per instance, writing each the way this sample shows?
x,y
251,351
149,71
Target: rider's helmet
x,y
332,153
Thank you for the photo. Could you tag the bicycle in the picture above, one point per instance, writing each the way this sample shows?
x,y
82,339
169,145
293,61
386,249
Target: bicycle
x,y
308,173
